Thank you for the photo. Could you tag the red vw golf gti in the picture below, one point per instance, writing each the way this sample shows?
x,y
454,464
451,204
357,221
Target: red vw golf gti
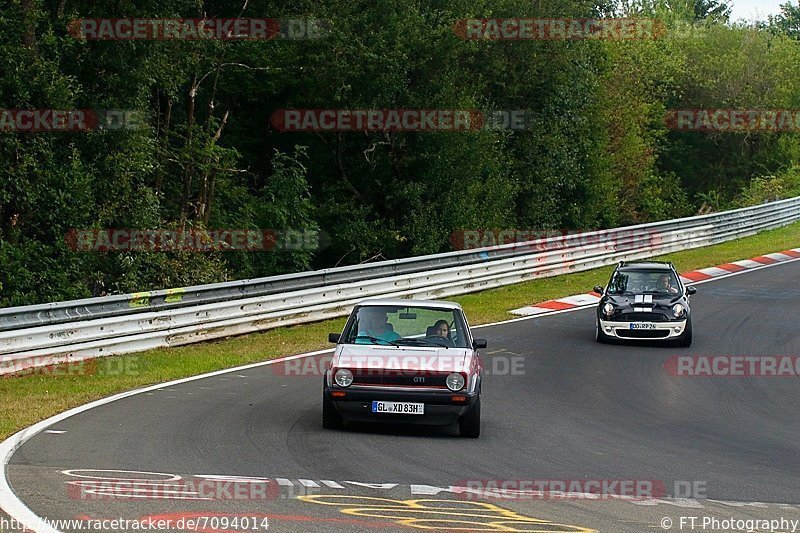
x,y
408,361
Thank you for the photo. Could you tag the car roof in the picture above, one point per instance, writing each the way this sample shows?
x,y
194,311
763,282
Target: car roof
x,y
645,265
400,302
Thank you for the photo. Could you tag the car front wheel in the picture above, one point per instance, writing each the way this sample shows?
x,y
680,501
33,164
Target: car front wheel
x,y
469,425
599,336
685,340
331,419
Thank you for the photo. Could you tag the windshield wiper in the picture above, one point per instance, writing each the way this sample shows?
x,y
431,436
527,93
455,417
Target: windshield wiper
x,y
376,340
421,342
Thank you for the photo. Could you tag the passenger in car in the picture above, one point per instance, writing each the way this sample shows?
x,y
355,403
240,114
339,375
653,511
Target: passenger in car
x,y
441,331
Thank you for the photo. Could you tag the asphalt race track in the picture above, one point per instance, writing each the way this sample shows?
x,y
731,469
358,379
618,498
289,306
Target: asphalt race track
x,y
571,410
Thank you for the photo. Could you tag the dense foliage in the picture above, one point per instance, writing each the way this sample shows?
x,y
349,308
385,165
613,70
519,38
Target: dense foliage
x,y
597,154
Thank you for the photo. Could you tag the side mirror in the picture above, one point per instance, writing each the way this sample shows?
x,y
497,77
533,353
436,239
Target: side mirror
x,y
691,290
334,337
478,343
598,289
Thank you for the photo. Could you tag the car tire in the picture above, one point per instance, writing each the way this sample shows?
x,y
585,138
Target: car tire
x,y
599,336
331,419
469,425
685,340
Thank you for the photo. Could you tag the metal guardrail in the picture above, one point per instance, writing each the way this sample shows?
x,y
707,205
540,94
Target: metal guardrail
x,y
116,305
80,329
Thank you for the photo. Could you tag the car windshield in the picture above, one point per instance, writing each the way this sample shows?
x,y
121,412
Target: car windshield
x,y
407,326
641,281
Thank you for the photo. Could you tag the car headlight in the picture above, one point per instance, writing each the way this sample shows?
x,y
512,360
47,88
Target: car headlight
x,y
455,381
678,310
343,377
608,309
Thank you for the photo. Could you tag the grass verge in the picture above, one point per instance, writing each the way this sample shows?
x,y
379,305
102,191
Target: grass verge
x,y
26,399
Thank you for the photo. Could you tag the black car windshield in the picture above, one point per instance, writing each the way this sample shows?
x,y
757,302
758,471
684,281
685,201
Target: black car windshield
x,y
642,281
407,326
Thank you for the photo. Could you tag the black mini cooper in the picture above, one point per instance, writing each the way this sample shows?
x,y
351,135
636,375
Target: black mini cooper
x,y
645,300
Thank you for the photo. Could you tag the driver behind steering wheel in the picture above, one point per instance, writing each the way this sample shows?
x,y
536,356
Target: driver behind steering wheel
x,y
441,332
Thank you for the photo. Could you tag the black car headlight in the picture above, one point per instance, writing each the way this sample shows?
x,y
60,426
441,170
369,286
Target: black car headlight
x,y
678,310
608,309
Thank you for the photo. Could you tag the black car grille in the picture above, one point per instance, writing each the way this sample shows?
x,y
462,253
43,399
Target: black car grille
x,y
642,317
643,333
399,379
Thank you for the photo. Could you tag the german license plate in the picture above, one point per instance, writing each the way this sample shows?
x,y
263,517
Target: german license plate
x,y
399,408
642,325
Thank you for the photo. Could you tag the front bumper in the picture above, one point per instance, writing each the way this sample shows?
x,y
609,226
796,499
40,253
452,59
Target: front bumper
x,y
661,331
440,408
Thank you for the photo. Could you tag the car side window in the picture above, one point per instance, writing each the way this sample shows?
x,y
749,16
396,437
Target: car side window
x,y
619,282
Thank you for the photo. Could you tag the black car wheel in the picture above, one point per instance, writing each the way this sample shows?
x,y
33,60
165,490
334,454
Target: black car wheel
x,y
685,340
469,425
331,419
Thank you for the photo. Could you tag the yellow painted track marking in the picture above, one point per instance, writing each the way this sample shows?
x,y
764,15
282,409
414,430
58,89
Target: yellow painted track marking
x,y
435,514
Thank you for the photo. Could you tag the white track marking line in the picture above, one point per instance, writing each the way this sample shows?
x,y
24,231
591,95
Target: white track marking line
x,y
748,263
16,508
714,271
531,310
777,256
580,299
